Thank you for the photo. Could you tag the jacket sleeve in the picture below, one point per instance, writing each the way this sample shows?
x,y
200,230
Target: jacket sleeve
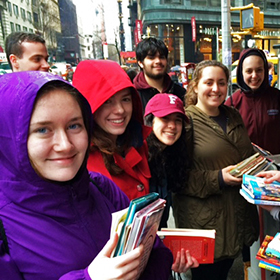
x,y
159,264
202,183
8,267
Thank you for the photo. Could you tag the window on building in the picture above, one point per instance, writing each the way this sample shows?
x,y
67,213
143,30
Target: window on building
x,y
35,18
22,11
34,2
12,27
273,5
199,3
10,7
18,27
15,10
172,2
24,29
30,30
29,17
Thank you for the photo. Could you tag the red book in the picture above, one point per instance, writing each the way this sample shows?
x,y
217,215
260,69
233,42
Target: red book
x,y
199,242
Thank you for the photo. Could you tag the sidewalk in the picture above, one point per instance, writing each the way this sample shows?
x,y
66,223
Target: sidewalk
x,y
235,273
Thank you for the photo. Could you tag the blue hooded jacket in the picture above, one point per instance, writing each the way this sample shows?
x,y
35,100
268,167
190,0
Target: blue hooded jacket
x,y
53,230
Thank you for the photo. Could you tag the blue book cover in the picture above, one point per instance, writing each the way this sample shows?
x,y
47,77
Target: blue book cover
x,y
257,189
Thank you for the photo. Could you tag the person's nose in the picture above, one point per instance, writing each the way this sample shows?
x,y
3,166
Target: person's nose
x,y
254,74
45,65
215,87
171,124
118,108
62,141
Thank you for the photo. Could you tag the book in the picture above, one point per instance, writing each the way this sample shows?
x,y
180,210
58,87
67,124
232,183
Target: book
x,y
269,266
256,201
134,206
141,221
137,225
273,248
251,165
199,242
256,188
261,254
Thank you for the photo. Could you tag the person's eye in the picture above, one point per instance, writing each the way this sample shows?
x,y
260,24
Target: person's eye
x,y
107,101
222,84
179,120
127,99
42,130
75,126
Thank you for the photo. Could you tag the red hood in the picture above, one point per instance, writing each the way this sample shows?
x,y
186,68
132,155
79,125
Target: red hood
x,y
98,80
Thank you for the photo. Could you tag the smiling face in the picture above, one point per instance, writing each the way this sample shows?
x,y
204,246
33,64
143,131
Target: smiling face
x,y
168,129
114,115
34,58
154,66
58,140
211,90
253,71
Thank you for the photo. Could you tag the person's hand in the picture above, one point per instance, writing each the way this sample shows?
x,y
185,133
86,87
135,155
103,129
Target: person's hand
x,y
124,267
270,176
228,178
184,261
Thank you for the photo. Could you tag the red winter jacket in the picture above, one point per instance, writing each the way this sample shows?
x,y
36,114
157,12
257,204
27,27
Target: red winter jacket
x,y
98,81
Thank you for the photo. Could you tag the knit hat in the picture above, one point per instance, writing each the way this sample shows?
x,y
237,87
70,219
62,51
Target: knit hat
x,y
163,104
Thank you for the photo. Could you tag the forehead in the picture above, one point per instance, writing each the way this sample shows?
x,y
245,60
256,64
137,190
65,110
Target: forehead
x,y
213,72
56,99
34,48
253,61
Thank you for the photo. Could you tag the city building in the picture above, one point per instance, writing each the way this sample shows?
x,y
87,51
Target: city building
x,y
35,16
192,28
68,41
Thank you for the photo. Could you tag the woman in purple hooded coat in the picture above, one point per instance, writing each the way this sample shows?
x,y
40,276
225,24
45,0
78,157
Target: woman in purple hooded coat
x,y
55,216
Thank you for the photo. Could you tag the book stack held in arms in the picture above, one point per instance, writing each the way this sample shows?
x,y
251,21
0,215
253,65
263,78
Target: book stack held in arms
x,y
138,224
255,191
252,165
269,253
199,242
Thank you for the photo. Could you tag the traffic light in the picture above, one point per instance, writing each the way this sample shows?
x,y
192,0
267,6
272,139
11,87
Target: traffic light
x,y
251,18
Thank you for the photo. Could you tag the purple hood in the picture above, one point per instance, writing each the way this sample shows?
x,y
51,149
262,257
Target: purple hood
x,y
19,183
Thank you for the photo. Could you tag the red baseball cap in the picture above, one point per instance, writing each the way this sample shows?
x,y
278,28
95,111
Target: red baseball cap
x,y
163,104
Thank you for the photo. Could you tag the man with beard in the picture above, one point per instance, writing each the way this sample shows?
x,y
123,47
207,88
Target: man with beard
x,y
151,55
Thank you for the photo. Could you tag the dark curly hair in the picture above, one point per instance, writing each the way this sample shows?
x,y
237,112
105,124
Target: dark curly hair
x,y
171,162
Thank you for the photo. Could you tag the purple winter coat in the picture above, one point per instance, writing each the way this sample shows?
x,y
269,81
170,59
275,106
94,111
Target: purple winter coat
x,y
54,230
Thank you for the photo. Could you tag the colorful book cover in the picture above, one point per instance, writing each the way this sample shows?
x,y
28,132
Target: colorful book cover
x,y
269,266
252,200
273,248
135,205
256,187
261,255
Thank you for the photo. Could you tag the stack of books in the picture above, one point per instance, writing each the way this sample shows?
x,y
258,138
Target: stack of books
x,y
255,191
199,242
269,253
138,224
251,165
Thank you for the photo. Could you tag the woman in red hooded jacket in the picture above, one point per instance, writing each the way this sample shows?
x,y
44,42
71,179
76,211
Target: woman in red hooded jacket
x,y
119,150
